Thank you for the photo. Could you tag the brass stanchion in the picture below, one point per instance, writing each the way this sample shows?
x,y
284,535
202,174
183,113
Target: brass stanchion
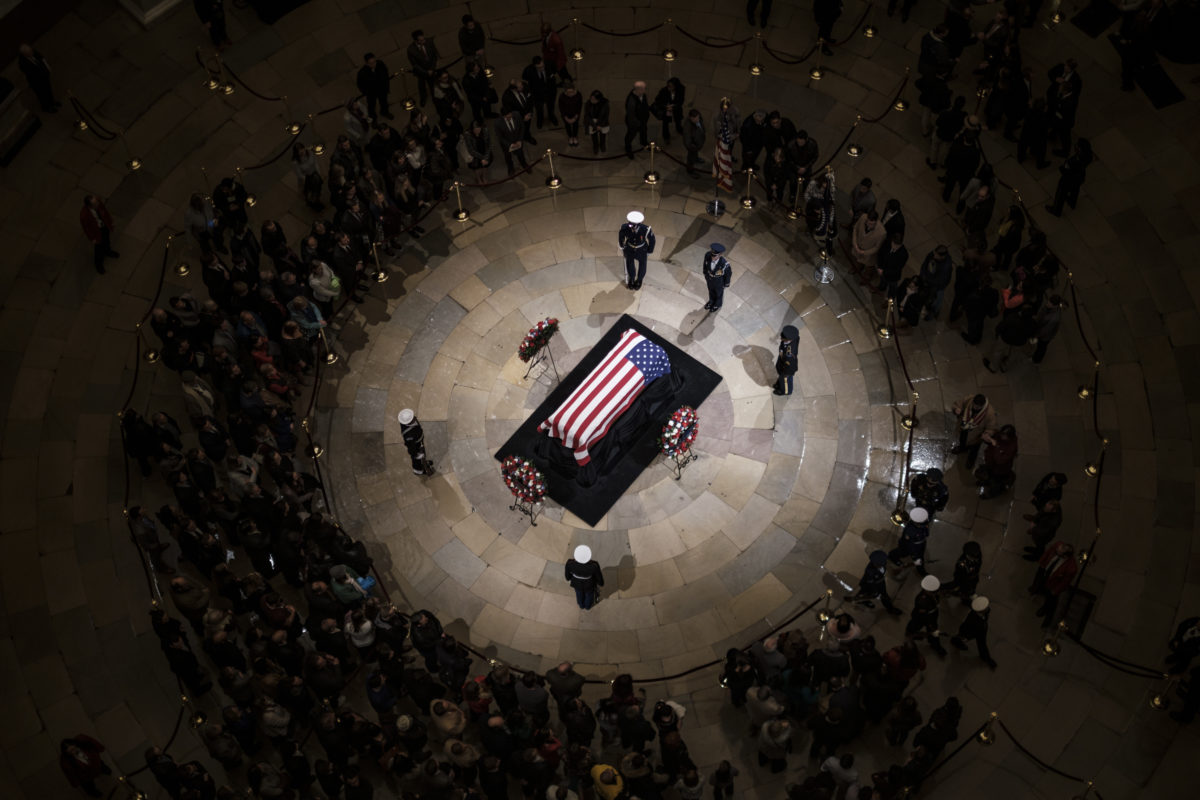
x,y
576,51
816,73
854,150
554,182
408,103
988,734
756,68
794,212
292,128
669,54
460,214
150,354
749,202
651,177
251,198
331,357
381,275
886,330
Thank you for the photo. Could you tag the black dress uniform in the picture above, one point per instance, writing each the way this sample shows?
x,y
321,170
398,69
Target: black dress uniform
x,y
717,274
786,363
636,240
414,442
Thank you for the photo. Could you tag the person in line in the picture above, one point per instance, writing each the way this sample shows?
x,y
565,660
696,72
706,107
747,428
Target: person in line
x,y
97,225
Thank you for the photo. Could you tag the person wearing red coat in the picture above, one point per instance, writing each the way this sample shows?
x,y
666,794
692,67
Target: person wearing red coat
x,y
79,758
1056,572
554,52
97,225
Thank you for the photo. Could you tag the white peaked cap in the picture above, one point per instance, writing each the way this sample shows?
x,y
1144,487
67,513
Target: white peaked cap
x,y
583,554
930,583
918,514
635,216
406,416
979,603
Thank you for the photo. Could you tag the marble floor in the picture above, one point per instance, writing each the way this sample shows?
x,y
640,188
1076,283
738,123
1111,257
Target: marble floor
x,y
789,493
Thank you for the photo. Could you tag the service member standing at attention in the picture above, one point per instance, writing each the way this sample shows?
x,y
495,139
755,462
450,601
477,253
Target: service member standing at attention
x,y
414,442
717,274
786,364
636,240
584,575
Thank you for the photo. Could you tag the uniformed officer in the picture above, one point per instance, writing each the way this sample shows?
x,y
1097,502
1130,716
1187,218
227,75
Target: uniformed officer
x,y
414,442
717,274
873,584
929,491
636,240
786,364
913,539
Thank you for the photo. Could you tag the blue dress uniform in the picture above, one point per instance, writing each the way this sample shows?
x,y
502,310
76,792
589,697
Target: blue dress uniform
x,y
786,363
636,240
717,274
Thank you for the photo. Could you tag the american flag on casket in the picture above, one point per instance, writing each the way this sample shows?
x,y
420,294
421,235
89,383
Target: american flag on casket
x,y
585,417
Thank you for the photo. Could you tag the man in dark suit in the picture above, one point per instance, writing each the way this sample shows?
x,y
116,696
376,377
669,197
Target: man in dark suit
x,y
826,13
516,98
97,225
37,72
373,81
1062,103
542,84
510,135
423,56
348,264
212,15
637,116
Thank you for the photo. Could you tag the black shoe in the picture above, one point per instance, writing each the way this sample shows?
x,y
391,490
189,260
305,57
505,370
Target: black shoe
x,y
113,254
100,269
357,299
637,285
629,153
708,306
991,662
987,364
776,391
826,51
1032,557
1055,211
958,643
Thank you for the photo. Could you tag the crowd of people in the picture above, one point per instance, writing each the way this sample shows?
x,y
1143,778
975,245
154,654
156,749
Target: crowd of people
x,y
324,685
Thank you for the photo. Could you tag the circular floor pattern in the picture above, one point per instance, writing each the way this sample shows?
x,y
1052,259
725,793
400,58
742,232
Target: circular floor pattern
x,y
691,566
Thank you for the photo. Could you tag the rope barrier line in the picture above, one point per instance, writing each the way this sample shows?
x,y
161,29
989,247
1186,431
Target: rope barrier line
x,y
93,127
286,149
526,43
594,29
1028,753
700,41
245,86
857,26
1151,672
790,61
892,102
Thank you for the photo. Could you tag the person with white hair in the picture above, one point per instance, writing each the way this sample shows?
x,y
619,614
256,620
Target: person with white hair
x,y
584,574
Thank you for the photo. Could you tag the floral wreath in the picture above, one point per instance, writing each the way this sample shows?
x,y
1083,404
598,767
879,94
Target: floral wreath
x,y
679,432
537,338
523,479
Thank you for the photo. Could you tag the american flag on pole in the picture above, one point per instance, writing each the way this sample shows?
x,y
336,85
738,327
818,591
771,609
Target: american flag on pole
x,y
723,157
585,417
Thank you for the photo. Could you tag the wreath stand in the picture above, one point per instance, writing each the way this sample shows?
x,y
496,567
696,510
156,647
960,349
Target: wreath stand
x,y
544,353
529,509
678,461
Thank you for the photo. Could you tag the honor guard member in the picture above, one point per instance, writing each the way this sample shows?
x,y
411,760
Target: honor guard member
x,y
785,363
636,240
717,274
414,442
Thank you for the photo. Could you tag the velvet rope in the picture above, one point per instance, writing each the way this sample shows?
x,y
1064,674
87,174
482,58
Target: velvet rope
x,y
698,40
94,127
286,149
243,84
790,61
593,28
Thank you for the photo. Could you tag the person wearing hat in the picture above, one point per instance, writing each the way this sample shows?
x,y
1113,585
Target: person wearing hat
x,y
966,572
414,442
912,540
975,626
873,584
636,240
584,575
924,618
786,363
929,491
717,274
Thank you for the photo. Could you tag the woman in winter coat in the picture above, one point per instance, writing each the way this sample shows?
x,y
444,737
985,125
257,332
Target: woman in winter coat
x,y
596,111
